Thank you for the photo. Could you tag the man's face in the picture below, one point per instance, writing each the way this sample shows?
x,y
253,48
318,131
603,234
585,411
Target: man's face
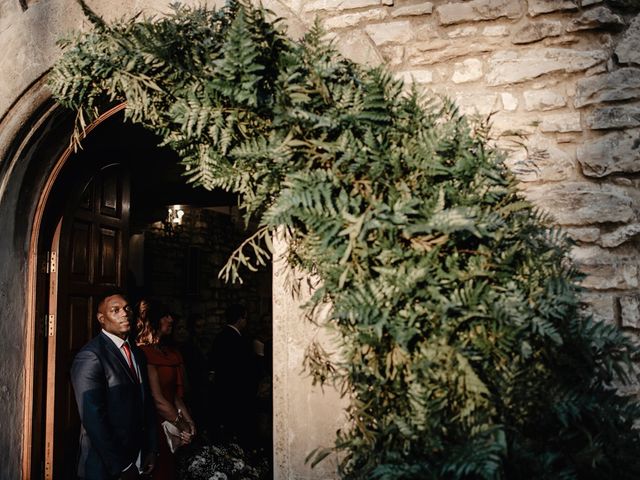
x,y
113,315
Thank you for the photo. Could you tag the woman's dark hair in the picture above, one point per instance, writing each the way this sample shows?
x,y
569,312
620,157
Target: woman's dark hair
x,y
148,334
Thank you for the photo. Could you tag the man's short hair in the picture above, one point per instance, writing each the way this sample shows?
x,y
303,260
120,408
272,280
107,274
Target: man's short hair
x,y
109,293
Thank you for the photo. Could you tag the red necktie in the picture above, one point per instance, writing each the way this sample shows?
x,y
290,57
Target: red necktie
x,y
127,352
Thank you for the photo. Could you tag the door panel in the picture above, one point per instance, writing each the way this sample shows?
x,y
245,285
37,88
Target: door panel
x,y
81,251
92,260
108,256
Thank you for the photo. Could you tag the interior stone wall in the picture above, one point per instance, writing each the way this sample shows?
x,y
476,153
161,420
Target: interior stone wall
x,y
191,286
559,83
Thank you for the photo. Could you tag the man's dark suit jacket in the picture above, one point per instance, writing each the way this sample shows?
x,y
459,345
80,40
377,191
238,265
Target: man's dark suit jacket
x,y
235,384
117,413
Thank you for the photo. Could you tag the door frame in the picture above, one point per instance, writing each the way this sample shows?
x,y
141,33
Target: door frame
x,y
34,260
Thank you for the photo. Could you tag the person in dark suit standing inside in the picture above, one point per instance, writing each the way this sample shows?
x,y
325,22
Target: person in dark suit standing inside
x,y
109,377
235,385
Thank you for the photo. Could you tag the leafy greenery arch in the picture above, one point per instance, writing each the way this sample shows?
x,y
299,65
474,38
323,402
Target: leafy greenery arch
x,y
463,350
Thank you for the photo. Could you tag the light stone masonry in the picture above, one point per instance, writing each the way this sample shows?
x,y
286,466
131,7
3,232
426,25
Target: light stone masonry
x,y
415,76
607,269
538,7
542,164
543,100
582,203
622,84
600,306
495,31
534,32
390,32
617,152
338,5
438,51
585,234
351,19
511,66
423,8
509,102
462,32
357,46
467,71
561,122
477,10
477,104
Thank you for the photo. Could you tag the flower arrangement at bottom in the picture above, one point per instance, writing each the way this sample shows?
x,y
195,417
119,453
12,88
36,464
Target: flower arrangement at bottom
x,y
221,462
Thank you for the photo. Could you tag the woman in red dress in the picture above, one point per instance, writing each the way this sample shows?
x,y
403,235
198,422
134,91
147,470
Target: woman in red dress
x,y
166,378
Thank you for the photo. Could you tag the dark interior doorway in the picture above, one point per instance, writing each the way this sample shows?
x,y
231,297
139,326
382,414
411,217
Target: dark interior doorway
x,y
108,221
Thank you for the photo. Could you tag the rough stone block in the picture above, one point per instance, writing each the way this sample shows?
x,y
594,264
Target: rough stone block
x,y
513,66
467,71
495,31
462,32
629,311
561,122
352,19
423,8
538,7
477,10
415,76
509,102
536,31
600,17
582,203
477,104
620,235
542,161
622,84
424,32
614,117
543,100
600,306
606,269
357,46
437,51
390,32
332,5
392,54
585,234
617,152
628,49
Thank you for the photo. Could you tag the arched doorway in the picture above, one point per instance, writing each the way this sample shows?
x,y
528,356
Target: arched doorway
x,y
101,223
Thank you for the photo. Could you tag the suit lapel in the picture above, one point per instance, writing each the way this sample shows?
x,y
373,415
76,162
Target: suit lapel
x,y
113,350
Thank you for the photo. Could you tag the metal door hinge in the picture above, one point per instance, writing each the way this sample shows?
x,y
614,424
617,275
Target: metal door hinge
x,y
53,262
51,325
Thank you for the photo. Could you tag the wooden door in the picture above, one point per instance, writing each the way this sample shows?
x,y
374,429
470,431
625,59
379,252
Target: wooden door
x,y
92,258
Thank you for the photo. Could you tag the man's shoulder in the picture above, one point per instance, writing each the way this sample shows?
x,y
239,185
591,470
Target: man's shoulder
x,y
96,345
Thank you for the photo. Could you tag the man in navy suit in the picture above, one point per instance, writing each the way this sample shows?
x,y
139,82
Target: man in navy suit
x,y
109,377
236,380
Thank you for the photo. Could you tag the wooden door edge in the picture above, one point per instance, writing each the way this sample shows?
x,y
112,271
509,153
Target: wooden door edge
x,y
32,284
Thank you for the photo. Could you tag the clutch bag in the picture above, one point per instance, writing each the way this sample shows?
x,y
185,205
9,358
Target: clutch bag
x,y
173,435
